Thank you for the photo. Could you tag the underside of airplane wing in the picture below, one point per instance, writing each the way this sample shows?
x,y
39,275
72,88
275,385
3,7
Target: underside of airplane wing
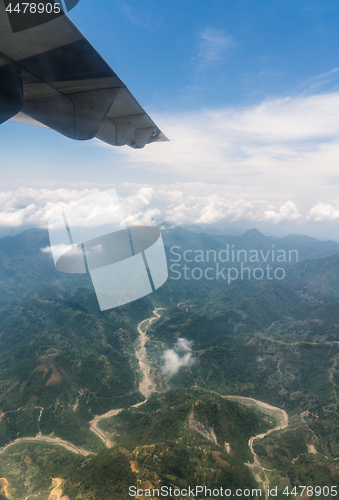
x,y
51,75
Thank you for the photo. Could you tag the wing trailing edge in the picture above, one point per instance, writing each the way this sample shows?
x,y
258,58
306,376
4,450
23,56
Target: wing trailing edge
x,y
51,75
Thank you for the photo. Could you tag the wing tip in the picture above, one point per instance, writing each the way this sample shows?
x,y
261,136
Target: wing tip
x,y
161,138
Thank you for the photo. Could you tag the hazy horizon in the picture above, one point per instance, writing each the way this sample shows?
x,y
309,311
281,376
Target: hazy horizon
x,y
249,106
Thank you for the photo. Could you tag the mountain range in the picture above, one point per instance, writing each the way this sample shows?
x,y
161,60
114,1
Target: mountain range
x,y
63,361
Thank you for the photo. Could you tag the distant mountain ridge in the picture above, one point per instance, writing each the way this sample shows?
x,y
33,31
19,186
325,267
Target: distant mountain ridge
x,y
24,267
33,240
307,247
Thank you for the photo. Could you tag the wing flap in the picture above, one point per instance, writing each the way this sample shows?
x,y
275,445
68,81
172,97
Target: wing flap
x,y
118,131
72,86
39,90
90,111
26,120
125,105
77,116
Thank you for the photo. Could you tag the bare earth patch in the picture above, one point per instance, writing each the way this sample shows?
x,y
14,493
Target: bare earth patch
x,y
4,486
55,377
56,493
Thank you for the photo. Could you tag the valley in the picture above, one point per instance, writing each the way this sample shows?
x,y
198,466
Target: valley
x,y
147,388
82,392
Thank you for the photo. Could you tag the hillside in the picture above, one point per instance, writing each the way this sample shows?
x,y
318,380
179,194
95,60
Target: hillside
x,y
62,362
165,442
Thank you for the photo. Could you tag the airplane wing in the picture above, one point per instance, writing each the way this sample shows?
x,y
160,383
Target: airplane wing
x,y
52,76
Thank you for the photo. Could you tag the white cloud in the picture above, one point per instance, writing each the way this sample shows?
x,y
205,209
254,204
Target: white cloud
x,y
178,357
139,17
266,164
322,79
57,250
177,204
18,217
276,145
287,212
97,249
321,212
212,45
33,207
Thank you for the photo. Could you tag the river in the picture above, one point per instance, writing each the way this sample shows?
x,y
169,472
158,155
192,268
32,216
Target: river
x,y
147,387
282,419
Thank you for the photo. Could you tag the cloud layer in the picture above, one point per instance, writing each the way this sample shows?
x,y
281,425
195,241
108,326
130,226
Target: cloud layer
x,y
179,204
271,164
287,143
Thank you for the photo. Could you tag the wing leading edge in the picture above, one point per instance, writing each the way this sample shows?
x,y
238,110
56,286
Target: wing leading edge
x,y
52,75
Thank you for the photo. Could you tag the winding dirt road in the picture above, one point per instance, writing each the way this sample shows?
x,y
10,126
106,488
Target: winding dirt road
x,y
146,386
281,417
93,425
47,439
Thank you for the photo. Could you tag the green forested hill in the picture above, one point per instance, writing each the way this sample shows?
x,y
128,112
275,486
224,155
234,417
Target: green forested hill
x,y
161,442
62,361
57,348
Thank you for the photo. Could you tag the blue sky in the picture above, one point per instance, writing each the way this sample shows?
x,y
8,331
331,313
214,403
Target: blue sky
x,y
194,53
246,91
